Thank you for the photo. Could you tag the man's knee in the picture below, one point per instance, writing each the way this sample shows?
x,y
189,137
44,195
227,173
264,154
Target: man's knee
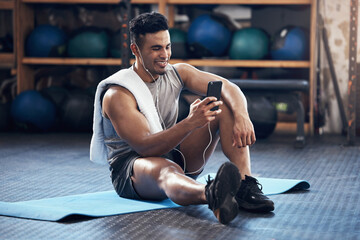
x,y
155,168
169,171
225,111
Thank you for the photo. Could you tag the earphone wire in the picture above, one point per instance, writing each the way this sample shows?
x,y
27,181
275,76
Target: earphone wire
x,y
164,126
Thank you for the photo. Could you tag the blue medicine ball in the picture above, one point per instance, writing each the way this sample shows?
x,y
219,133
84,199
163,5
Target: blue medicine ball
x,y
290,43
30,107
208,36
46,41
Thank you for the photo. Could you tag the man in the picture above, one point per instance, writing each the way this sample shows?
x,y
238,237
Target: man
x,y
158,164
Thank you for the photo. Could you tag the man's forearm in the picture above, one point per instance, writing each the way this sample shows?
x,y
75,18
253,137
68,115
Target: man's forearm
x,y
235,100
162,142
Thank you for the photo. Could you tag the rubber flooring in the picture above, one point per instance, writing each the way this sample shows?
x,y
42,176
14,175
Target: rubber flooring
x,y
35,166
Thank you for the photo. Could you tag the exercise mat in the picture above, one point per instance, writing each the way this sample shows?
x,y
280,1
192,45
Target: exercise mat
x,y
108,203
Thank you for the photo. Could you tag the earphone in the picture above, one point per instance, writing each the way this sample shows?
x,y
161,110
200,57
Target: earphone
x,y
163,123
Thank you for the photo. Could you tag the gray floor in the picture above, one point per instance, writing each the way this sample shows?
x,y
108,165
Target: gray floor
x,y
35,166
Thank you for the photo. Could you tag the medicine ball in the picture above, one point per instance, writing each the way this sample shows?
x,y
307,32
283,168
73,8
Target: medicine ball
x,y
208,36
178,43
249,44
77,111
290,43
46,41
30,108
89,44
263,115
57,95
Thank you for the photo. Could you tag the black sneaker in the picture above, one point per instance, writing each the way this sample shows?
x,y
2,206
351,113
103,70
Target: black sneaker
x,y
251,198
220,192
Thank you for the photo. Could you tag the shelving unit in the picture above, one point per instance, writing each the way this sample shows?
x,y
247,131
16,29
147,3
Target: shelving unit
x,y
310,64
7,60
26,25
26,64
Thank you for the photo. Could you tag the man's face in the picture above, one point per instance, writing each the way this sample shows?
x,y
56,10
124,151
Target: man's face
x,y
156,52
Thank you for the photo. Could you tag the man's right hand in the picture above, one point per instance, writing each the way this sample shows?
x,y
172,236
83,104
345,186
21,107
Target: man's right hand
x,y
200,111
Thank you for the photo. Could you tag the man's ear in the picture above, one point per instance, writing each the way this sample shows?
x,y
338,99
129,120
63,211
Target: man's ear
x,y
134,49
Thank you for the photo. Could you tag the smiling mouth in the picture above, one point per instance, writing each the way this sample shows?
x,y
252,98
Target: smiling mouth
x,y
162,63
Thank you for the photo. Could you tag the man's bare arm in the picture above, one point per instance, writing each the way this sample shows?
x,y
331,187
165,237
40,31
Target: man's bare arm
x,y
197,81
120,106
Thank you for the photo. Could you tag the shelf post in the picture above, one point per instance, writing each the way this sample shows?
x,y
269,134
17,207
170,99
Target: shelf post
x,y
125,38
313,61
351,133
24,24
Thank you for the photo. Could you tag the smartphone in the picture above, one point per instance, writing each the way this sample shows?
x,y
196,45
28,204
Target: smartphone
x,y
214,90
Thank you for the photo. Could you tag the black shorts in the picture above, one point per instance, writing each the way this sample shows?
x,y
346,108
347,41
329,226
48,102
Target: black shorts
x,y
121,170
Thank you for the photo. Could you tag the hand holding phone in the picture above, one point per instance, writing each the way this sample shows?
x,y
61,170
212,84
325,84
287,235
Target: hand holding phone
x,y
214,90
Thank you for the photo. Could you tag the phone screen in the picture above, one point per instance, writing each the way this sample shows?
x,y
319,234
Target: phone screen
x,y
214,89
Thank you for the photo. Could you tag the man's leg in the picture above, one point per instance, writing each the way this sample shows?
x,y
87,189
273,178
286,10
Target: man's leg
x,y
239,156
158,178
193,146
249,197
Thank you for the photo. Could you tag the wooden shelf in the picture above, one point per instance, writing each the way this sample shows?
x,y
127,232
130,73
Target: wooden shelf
x,y
244,63
7,4
90,1
7,60
195,62
243,2
71,61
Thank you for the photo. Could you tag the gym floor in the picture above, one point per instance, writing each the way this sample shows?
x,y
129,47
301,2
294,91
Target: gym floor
x,y
35,166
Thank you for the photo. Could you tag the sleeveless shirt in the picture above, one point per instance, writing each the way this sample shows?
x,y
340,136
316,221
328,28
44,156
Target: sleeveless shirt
x,y
165,92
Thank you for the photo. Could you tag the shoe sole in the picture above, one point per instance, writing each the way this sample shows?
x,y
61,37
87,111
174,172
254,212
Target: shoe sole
x,y
230,180
255,207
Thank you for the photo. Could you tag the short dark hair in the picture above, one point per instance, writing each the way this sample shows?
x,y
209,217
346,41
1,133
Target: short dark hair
x,y
146,23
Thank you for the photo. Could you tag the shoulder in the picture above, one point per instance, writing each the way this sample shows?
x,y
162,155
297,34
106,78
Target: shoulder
x,y
185,70
117,96
116,92
183,67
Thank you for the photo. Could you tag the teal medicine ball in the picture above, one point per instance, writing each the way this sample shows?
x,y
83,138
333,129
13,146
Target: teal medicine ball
x,y
178,43
89,44
249,44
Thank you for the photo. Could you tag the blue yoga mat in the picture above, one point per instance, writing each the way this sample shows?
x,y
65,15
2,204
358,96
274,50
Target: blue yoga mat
x,y
108,203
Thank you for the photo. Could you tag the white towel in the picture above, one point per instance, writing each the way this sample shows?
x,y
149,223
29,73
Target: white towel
x,y
128,79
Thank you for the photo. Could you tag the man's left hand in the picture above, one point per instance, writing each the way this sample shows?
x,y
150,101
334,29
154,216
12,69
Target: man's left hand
x,y
243,133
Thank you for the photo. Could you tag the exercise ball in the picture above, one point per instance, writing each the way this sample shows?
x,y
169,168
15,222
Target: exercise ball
x,y
89,44
263,115
46,41
57,95
290,43
77,111
249,44
178,43
115,45
30,108
208,36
